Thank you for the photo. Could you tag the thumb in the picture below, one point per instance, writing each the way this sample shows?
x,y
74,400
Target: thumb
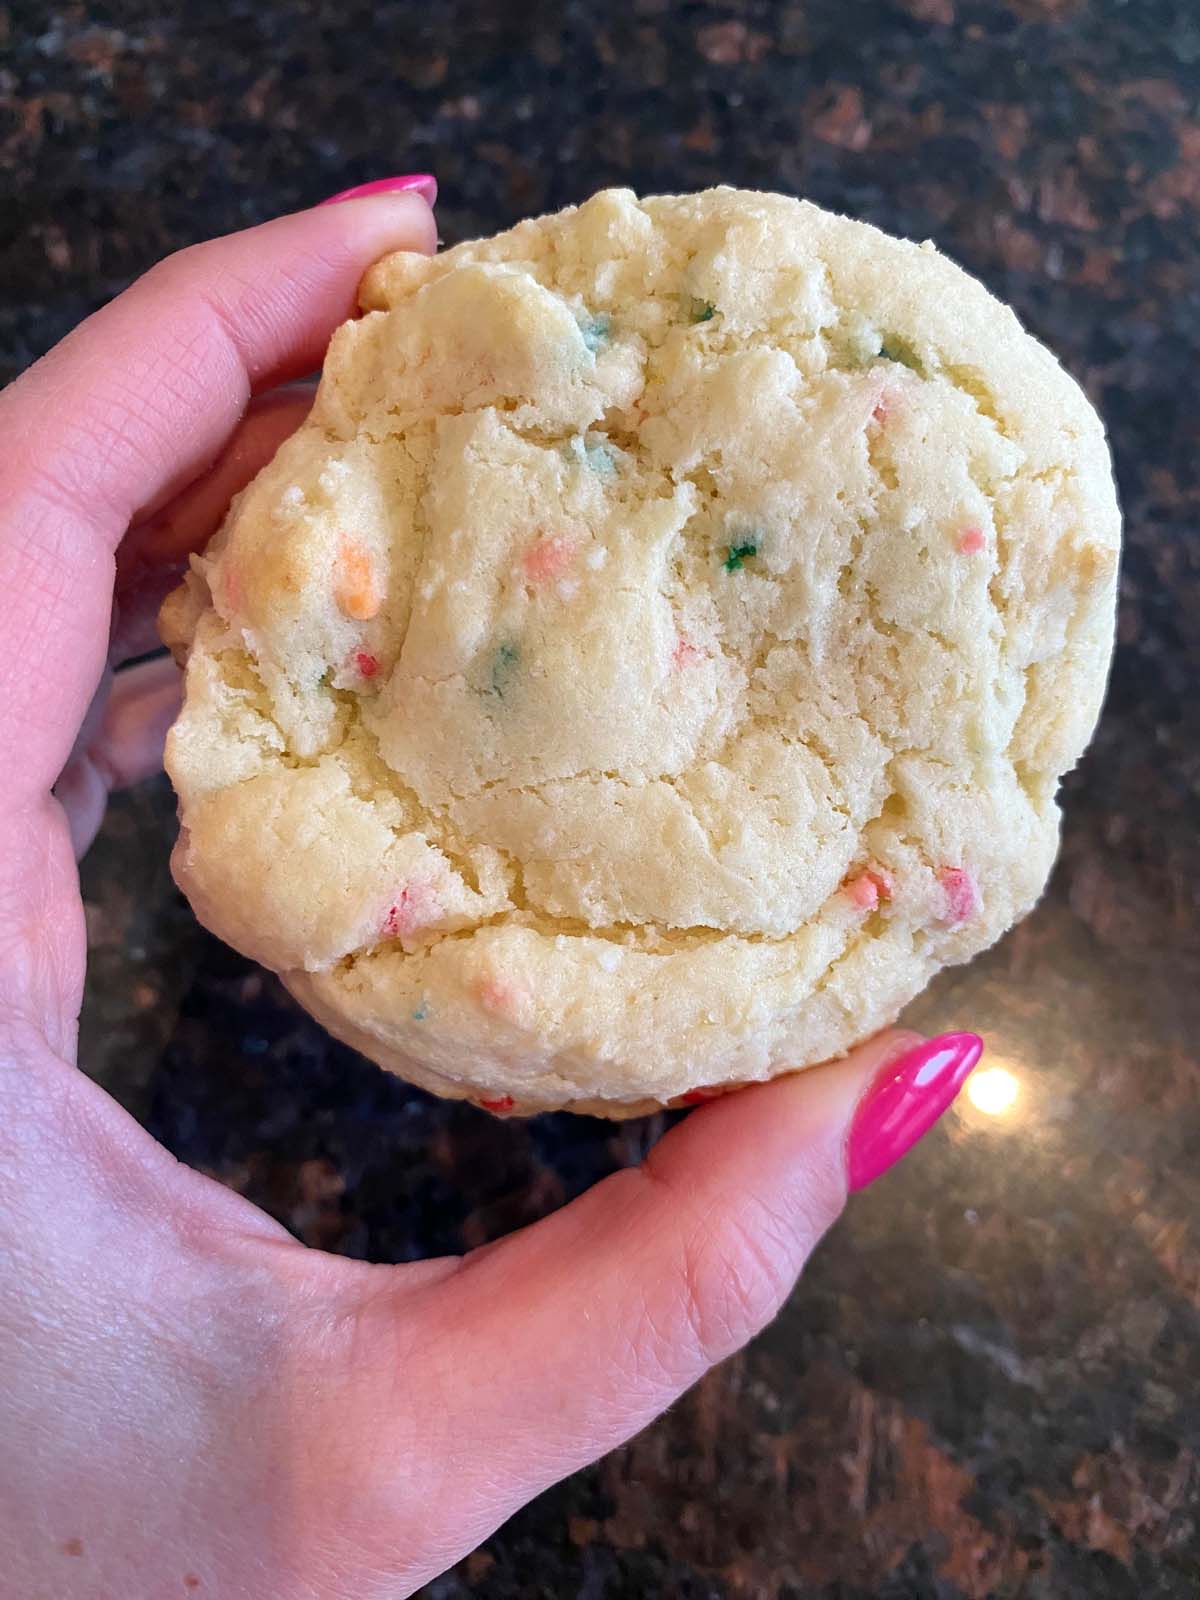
x,y
559,1343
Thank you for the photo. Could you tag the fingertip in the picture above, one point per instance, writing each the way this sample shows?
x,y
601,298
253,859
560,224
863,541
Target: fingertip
x,y
405,215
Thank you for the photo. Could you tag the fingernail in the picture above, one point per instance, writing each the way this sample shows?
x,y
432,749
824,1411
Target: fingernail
x,y
905,1101
422,183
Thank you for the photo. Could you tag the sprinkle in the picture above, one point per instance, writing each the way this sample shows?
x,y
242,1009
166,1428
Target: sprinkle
x,y
498,997
862,891
505,660
737,555
420,1013
886,405
971,541
355,589
694,1097
548,559
961,891
232,587
683,654
365,664
416,906
596,557
597,331
701,310
600,459
866,889
504,1102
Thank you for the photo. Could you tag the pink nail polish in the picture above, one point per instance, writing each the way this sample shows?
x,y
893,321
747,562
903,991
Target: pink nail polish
x,y
905,1101
422,183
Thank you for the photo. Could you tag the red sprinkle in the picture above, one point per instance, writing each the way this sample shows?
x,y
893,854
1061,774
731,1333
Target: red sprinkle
x,y
366,663
961,891
694,1097
504,1103
971,541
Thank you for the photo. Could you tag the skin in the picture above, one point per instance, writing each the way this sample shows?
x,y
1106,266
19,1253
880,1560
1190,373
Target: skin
x,y
193,1401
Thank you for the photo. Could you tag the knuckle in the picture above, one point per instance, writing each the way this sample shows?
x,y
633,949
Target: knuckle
x,y
737,1272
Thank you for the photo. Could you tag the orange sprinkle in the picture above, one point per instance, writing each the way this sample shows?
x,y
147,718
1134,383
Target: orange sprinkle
x,y
355,590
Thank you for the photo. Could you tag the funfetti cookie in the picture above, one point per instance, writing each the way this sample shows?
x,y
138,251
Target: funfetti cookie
x,y
654,659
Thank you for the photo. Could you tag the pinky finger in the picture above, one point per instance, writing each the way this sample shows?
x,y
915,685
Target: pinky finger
x,y
121,746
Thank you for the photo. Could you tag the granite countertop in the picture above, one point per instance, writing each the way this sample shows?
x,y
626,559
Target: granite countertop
x,y
987,1383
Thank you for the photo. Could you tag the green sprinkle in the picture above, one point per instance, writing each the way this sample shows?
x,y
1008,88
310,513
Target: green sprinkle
x,y
737,555
894,348
701,310
503,664
600,458
420,1013
597,331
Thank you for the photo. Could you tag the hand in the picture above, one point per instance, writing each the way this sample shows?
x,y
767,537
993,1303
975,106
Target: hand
x,y
192,1401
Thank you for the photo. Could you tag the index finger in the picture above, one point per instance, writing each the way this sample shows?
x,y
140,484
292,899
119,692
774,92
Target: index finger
x,y
129,408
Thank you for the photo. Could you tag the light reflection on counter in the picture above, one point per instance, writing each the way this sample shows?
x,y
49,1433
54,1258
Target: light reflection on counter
x,y
994,1091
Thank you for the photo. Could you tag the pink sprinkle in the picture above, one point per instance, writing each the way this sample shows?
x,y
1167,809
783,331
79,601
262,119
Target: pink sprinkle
x,y
863,891
504,1102
884,882
366,663
497,996
971,541
683,654
886,404
415,907
961,891
868,888
548,559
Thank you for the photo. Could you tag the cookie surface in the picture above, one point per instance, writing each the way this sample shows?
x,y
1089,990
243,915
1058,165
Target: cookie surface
x,y
653,660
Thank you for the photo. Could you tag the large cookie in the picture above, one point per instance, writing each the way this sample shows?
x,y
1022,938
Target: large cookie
x,y
655,658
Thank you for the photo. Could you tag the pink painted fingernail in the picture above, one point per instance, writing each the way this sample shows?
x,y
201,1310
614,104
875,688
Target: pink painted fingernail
x,y
422,183
905,1101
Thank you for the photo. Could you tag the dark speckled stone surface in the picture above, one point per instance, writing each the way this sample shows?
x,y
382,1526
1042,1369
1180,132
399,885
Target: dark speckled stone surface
x,y
988,1383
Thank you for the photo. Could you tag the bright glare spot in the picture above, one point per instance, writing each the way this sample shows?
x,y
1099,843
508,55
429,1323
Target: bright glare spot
x,y
992,1090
